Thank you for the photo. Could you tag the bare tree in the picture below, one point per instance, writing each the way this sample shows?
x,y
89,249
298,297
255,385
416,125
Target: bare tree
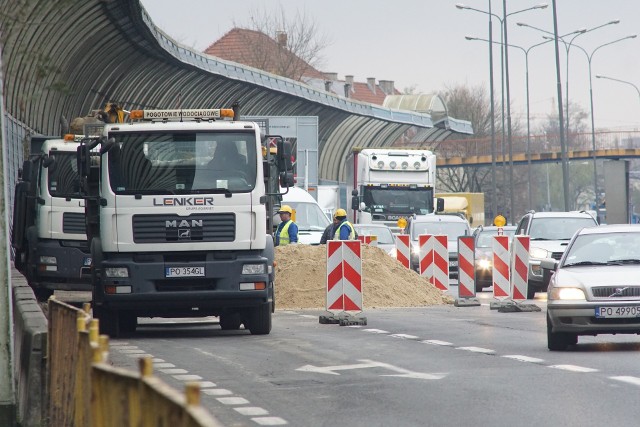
x,y
288,47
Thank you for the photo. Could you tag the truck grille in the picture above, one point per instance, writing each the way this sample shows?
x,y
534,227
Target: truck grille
x,y
73,223
176,229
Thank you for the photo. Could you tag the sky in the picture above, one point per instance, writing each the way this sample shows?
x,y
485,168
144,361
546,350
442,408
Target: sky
x,y
422,44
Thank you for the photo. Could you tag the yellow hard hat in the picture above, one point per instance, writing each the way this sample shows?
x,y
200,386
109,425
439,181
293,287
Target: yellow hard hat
x,y
340,212
286,209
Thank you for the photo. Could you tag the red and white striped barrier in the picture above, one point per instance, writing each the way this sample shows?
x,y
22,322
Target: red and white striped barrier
x,y
519,267
344,276
370,240
403,251
501,272
466,267
441,262
425,256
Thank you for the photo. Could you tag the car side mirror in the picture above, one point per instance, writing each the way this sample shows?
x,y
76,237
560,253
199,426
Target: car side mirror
x,y
549,264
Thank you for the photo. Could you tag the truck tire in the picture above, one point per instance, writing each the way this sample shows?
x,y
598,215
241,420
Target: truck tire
x,y
127,322
109,322
259,320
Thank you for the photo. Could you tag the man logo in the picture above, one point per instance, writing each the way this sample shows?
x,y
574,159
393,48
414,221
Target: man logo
x,y
184,223
184,229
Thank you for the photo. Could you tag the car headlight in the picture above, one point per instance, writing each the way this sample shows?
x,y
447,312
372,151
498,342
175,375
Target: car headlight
x,y
116,272
538,253
253,269
567,294
483,263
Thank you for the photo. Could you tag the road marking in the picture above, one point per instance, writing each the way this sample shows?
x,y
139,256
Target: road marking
x,y
477,350
404,336
174,371
232,400
436,342
366,363
206,384
157,360
251,411
163,365
132,351
187,377
376,331
308,316
125,347
573,368
523,358
629,380
217,392
269,421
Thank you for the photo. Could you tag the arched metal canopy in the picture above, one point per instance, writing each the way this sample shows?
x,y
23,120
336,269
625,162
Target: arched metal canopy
x,y
66,58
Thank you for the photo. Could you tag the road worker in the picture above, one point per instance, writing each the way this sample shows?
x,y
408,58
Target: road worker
x,y
343,229
287,231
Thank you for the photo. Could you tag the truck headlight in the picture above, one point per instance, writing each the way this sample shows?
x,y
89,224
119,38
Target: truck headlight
x,y
49,260
253,269
538,253
567,294
116,272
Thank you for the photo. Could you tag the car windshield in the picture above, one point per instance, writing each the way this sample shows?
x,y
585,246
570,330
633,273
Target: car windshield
x,y
453,230
615,248
485,237
308,216
384,235
558,228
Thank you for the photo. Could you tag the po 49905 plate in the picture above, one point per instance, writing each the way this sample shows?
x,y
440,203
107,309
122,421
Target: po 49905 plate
x,y
618,312
184,272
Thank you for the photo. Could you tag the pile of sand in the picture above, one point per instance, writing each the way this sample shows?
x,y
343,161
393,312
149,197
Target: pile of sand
x,y
301,273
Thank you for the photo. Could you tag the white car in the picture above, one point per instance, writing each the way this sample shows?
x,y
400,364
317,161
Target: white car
x,y
385,238
308,215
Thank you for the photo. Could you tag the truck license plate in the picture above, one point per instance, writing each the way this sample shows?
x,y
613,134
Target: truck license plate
x,y
617,312
86,262
184,272
453,263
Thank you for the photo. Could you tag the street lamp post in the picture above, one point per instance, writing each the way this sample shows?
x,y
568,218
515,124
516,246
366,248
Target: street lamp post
x,y
620,81
593,129
503,39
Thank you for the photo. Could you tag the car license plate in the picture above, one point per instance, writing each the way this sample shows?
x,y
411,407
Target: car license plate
x,y
184,271
86,262
453,263
617,312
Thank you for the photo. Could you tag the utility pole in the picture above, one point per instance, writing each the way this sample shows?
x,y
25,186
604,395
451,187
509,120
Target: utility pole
x,y
7,391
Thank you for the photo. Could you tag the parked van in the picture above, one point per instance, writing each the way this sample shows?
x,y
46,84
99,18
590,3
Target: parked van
x,y
308,215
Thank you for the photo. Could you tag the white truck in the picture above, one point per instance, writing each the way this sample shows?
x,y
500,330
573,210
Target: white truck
x,y
179,218
387,184
48,234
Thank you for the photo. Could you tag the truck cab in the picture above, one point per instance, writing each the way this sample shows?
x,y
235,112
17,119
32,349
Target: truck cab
x,y
49,235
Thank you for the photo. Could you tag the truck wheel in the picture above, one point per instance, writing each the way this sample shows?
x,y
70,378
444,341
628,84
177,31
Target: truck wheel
x,y
109,322
230,321
260,320
127,322
42,294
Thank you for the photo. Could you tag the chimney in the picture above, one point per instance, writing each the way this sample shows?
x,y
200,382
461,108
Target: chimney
x,y
371,82
327,85
349,80
331,76
281,38
347,90
387,87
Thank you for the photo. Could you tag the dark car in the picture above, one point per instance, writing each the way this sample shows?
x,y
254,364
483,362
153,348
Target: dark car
x,y
484,252
595,287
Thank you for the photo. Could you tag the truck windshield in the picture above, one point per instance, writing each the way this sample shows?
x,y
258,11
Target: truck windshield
x,y
399,200
182,162
63,175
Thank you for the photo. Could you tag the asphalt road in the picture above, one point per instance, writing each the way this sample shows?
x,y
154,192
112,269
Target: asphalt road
x,y
432,366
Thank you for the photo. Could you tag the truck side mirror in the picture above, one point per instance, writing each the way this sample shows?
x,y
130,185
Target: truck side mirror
x,y
439,204
83,160
355,202
284,155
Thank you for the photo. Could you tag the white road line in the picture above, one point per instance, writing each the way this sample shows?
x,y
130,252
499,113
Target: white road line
x,y
269,421
124,346
629,380
376,331
187,377
252,411
206,384
217,392
308,316
404,336
523,358
174,371
436,342
477,350
232,400
132,351
118,343
139,355
156,360
163,365
573,368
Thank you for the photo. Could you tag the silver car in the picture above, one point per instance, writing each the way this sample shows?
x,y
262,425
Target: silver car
x,y
595,288
386,239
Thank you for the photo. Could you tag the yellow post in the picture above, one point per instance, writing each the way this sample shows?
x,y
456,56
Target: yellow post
x,y
146,366
192,393
94,331
81,324
86,307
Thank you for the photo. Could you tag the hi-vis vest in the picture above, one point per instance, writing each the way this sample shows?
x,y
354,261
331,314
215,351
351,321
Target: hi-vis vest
x,y
283,236
352,232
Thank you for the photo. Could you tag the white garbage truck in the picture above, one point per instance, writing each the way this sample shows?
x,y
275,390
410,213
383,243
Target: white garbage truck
x,y
48,233
387,184
179,211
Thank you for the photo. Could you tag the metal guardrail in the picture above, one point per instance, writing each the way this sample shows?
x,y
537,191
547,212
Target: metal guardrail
x,y
85,390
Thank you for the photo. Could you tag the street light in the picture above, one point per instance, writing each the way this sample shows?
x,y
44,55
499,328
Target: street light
x,y
620,81
593,128
526,60
504,40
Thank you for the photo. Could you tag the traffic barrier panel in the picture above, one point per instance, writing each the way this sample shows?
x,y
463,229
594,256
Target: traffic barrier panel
x,y
441,262
425,257
466,267
368,239
500,269
519,267
403,250
344,276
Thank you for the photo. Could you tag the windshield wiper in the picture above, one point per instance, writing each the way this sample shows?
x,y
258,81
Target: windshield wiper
x,y
585,263
540,238
147,192
624,261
